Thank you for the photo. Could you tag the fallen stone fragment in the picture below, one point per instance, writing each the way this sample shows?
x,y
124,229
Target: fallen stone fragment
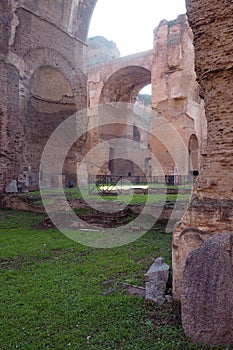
x,y
156,281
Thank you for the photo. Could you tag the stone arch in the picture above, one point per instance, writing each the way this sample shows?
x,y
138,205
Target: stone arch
x,y
49,84
125,84
54,89
50,101
43,56
193,155
50,90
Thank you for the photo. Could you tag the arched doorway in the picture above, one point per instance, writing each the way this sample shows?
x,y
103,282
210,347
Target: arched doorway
x,y
50,101
124,86
194,158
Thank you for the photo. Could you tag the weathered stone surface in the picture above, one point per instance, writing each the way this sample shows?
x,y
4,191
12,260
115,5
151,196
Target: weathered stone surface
x,y
156,281
46,79
43,81
175,95
10,145
207,292
34,34
211,206
5,18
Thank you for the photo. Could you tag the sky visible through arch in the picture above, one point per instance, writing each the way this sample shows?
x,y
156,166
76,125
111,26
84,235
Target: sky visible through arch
x,y
130,23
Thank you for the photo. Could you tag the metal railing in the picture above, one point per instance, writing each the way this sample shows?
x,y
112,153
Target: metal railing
x,y
105,184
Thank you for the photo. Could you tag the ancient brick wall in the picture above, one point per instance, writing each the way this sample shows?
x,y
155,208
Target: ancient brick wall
x,y
34,36
5,19
175,94
72,16
117,80
105,79
9,102
211,207
9,111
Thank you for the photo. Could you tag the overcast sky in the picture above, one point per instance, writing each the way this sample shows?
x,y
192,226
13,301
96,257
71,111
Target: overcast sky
x,y
130,23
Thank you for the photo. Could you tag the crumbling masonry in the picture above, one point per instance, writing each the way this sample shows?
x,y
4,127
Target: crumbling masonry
x,y
44,80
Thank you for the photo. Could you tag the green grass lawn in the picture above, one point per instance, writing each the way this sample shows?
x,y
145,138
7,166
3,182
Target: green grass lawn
x,y
132,199
54,292
138,199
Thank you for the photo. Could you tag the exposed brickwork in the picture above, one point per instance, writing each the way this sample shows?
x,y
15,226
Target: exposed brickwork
x,y
175,92
5,18
169,67
9,111
34,35
105,79
211,207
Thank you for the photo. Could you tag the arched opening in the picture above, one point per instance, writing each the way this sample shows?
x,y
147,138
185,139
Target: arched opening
x,y
136,134
50,101
194,160
144,96
125,84
168,96
48,84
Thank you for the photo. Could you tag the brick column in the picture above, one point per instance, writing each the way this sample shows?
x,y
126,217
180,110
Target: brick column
x,y
211,208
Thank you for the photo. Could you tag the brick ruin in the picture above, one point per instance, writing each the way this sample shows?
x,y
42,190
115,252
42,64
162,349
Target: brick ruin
x,y
175,95
169,67
211,207
44,80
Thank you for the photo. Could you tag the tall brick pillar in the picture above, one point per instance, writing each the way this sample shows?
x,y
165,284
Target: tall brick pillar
x,y
211,207
9,100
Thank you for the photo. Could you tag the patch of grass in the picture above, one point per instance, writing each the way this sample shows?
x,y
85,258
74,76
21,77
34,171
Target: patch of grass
x,y
133,199
138,199
53,292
